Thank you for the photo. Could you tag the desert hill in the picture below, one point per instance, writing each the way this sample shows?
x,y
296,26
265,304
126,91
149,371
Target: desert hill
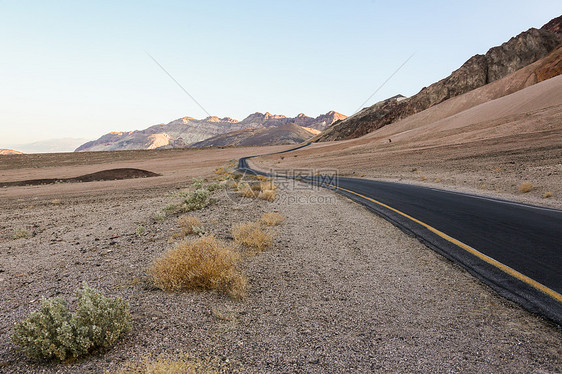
x,y
479,70
187,131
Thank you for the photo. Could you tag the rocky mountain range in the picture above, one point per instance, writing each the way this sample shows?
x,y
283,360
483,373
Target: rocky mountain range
x,y
189,131
289,133
479,70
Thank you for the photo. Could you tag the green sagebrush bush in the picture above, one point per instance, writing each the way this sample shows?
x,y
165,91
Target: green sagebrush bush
x,y
196,200
55,332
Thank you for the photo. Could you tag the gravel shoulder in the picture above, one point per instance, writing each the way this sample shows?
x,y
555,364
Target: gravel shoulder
x,y
341,290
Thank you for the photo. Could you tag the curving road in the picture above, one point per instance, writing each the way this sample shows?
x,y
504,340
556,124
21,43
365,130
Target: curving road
x,y
514,248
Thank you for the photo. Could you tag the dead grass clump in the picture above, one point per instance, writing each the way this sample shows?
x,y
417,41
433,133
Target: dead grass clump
x,y
190,225
140,230
268,195
267,185
204,263
525,187
546,195
164,364
245,190
159,216
265,189
20,233
252,235
272,219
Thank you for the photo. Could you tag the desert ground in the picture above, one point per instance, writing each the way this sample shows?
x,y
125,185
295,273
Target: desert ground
x,y
340,290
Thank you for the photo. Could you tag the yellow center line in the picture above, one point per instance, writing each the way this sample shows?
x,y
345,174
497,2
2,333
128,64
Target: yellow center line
x,y
468,248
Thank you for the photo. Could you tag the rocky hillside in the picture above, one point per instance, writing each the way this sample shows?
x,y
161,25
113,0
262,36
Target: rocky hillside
x,y
518,52
290,133
187,131
4,152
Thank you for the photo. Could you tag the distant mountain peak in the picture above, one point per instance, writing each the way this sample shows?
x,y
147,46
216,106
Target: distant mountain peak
x,y
5,152
212,119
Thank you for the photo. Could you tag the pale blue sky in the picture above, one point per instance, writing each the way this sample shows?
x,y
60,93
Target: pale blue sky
x,y
80,69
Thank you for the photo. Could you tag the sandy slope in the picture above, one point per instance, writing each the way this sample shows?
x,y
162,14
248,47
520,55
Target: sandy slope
x,y
491,147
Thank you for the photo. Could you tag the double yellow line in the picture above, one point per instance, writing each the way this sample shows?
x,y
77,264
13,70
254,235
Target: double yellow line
x,y
555,295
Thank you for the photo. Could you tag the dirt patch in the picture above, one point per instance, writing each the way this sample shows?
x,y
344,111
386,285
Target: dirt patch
x,y
104,175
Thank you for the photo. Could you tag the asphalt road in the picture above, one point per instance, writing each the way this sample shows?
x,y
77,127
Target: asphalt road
x,y
514,248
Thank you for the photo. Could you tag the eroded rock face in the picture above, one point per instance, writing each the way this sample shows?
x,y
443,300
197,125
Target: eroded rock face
x,y
554,26
518,52
186,131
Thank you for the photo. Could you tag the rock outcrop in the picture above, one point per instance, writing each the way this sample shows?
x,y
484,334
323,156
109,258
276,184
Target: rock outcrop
x,y
187,131
518,52
554,26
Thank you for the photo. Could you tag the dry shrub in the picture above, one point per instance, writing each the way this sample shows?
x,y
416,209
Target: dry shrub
x,y
204,263
525,187
267,185
272,219
546,195
362,175
252,235
232,184
268,195
159,216
246,191
140,230
423,177
265,189
163,364
20,233
189,225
